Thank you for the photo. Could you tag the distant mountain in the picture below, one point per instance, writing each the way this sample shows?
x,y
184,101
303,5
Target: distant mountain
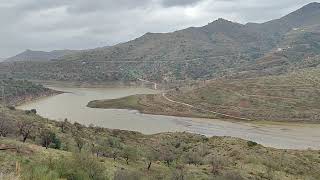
x,y
30,55
218,49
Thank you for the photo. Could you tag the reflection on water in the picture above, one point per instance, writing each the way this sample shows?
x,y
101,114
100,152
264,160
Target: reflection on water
x,y
72,105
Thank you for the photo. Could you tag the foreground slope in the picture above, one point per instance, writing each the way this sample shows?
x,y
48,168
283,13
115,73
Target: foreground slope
x,y
75,152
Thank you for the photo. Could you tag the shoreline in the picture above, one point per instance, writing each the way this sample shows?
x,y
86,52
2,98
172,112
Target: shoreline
x,y
27,99
257,122
73,84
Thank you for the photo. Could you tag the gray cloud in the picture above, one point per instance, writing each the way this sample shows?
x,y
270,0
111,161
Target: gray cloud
x,y
78,24
169,3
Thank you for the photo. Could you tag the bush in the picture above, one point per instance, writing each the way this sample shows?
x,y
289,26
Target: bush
x,y
27,112
88,166
39,172
228,176
127,175
193,158
79,166
12,108
252,144
34,111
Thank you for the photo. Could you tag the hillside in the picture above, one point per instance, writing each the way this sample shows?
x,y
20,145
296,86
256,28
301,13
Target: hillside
x,y
220,48
41,56
45,149
20,91
292,97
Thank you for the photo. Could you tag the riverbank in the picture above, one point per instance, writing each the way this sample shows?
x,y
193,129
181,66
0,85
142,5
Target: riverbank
x,y
21,100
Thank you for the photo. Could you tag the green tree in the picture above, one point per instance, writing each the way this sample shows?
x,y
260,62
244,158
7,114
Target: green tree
x,y
49,139
129,153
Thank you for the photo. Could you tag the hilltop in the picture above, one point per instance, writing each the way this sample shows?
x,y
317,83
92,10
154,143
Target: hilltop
x,y
40,56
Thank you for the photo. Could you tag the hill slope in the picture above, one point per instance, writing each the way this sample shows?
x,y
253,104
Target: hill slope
x,y
30,55
293,97
217,49
78,152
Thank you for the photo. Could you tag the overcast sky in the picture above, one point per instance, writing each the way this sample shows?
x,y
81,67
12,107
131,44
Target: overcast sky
x,y
80,24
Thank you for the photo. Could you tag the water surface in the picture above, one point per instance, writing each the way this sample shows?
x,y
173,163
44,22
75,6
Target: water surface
x,y
72,105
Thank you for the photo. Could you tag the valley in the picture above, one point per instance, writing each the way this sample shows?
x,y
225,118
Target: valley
x,y
221,101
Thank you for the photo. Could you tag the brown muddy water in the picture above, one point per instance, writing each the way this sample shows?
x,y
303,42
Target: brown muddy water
x,y
72,105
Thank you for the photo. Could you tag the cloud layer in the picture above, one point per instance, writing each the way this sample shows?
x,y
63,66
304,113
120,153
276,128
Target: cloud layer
x,y
80,24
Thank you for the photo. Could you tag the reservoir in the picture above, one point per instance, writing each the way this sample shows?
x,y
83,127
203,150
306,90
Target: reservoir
x,y
72,105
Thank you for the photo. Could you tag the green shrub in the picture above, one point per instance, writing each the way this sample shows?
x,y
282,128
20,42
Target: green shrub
x,y
34,111
12,108
39,172
78,167
127,175
252,143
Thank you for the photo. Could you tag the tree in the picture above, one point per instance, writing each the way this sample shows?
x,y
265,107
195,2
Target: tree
x,y
216,164
151,155
115,153
129,153
25,129
80,142
49,139
97,150
167,154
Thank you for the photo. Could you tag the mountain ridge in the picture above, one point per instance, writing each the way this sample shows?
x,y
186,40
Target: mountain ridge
x,y
31,55
220,48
